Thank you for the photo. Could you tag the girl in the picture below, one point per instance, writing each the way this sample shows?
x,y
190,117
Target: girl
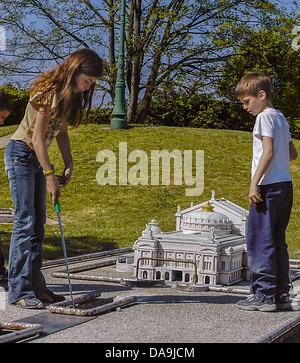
x,y
58,98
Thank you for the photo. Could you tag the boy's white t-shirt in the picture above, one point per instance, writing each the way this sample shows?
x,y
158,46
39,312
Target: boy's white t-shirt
x,y
273,124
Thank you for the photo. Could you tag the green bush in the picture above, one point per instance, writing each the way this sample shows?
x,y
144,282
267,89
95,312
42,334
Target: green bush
x,y
197,111
294,127
100,116
203,111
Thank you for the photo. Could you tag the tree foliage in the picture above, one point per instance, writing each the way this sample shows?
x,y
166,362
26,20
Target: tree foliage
x,y
189,110
267,50
170,44
180,41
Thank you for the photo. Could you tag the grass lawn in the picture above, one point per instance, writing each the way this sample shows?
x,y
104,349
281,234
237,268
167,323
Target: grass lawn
x,y
114,216
6,130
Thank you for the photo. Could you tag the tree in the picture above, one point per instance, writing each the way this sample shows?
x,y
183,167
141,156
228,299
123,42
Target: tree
x,y
182,42
267,50
42,33
177,40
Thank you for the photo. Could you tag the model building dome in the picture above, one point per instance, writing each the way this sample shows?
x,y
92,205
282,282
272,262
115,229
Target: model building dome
x,y
205,221
154,227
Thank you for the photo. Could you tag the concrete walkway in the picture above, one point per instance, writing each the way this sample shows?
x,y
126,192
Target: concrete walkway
x,y
161,315
4,140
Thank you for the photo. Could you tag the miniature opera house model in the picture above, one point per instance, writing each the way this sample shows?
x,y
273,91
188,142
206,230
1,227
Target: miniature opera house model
x,y
208,246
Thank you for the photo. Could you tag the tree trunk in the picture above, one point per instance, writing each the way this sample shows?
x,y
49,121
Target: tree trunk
x,y
151,84
149,88
111,50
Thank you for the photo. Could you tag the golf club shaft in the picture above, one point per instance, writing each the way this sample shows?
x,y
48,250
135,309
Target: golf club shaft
x,y
66,257
57,208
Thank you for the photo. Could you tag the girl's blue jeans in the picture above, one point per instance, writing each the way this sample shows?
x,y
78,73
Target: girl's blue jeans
x,y
28,191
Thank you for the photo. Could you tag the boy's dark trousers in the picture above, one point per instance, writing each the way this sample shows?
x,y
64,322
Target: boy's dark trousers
x,y
268,258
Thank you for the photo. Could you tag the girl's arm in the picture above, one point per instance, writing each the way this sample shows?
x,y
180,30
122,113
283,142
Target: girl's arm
x,y
64,145
40,148
264,163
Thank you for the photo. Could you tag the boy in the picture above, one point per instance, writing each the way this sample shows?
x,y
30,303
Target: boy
x,y
270,196
5,109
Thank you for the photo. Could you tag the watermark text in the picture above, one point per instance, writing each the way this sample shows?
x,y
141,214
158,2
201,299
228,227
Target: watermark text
x,y
139,168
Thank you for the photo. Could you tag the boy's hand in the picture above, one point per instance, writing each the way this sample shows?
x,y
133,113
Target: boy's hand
x,y
254,195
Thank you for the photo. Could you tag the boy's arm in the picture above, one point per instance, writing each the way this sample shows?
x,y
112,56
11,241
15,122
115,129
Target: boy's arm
x,y
293,151
264,163
64,145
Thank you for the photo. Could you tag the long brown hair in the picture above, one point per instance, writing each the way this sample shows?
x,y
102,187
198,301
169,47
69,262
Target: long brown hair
x,y
61,79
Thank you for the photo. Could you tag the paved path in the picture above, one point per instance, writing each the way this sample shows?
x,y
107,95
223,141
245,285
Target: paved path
x,y
161,315
4,140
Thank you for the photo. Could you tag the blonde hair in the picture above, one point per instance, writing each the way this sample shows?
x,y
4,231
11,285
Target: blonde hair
x,y
61,79
252,83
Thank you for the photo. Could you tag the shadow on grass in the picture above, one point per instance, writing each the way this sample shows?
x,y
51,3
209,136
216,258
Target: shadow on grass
x,y
75,245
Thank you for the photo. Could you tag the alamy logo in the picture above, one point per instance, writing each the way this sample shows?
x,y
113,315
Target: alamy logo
x,y
2,38
133,168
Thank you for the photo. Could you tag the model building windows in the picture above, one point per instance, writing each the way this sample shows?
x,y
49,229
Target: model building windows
x,y
207,263
207,266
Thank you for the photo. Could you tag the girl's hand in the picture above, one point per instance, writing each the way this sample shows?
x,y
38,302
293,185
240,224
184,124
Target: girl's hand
x,y
53,187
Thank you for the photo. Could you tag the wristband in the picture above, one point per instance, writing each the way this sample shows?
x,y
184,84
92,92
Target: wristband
x,y
48,172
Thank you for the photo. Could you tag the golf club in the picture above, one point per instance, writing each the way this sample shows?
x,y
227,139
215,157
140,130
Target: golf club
x,y
57,208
